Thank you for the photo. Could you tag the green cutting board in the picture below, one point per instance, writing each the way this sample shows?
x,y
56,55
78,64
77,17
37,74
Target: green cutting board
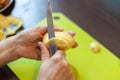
x,y
85,64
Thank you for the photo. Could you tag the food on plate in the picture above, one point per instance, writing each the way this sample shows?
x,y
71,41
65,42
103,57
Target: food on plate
x,y
3,3
9,24
2,35
62,40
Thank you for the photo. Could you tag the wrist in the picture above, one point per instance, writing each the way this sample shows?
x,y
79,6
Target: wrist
x,y
13,47
8,46
8,51
7,56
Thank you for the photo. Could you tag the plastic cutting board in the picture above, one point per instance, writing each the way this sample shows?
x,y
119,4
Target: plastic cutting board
x,y
85,64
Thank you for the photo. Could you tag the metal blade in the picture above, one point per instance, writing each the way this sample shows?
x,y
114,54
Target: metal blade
x,y
51,33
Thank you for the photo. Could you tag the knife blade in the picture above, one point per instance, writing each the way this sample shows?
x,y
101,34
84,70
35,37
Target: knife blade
x,y
51,33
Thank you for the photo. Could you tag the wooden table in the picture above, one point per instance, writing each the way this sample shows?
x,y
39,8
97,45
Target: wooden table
x,y
100,18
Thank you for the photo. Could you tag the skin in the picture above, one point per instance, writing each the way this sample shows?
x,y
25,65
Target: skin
x,y
25,44
57,67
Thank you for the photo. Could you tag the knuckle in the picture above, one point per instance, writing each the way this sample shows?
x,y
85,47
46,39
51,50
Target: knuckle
x,y
56,59
65,64
61,53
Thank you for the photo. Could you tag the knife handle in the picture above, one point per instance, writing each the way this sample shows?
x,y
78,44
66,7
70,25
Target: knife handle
x,y
52,48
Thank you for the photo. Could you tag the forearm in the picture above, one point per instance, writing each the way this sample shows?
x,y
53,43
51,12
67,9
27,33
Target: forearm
x,y
6,44
7,56
7,52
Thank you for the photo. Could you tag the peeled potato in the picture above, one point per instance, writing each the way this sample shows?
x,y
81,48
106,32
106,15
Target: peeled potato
x,y
95,47
62,40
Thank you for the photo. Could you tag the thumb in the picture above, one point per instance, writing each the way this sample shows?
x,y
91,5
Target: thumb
x,y
44,51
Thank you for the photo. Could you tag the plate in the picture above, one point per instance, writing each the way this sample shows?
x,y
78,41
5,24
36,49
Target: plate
x,y
4,8
9,25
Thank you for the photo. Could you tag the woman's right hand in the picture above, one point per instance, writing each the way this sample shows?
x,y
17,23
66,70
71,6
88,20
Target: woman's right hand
x,y
55,67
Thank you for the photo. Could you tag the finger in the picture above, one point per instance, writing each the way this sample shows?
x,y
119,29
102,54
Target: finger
x,y
59,55
61,74
69,75
58,29
44,51
71,33
75,45
44,29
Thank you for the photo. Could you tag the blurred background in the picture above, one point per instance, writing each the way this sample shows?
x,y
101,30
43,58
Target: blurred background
x,y
100,18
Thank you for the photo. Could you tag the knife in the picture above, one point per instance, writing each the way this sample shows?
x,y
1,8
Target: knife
x,y
51,33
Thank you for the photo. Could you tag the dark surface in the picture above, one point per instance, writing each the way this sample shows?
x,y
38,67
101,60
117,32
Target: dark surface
x,y
100,18
7,74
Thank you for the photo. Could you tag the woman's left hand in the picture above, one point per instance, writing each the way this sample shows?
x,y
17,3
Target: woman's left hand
x,y
26,43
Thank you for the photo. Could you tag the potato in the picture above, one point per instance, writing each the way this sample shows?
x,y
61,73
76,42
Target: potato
x,y
62,40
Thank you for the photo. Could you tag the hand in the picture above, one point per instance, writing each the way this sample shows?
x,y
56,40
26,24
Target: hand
x,y
27,42
24,44
54,68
